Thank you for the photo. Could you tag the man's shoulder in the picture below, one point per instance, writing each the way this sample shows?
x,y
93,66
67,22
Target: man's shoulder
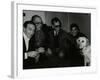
x,y
63,32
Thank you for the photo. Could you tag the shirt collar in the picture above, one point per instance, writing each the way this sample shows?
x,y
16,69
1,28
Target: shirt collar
x,y
25,37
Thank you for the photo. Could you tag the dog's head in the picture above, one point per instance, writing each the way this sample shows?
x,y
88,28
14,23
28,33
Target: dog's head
x,y
82,42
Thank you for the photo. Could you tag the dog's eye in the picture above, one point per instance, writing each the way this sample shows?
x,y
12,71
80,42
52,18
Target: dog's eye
x,y
82,41
79,40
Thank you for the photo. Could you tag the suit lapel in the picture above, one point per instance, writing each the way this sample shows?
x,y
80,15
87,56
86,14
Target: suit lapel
x,y
24,46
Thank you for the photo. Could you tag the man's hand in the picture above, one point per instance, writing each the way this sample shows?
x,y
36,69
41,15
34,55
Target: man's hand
x,y
49,51
40,50
32,54
61,55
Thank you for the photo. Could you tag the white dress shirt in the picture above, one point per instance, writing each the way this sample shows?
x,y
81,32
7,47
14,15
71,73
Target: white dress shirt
x,y
27,44
56,33
26,41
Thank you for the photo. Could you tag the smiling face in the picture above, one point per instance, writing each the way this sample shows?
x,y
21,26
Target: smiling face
x,y
74,31
82,42
29,30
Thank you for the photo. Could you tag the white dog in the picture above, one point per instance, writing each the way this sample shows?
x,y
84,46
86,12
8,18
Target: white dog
x,y
83,44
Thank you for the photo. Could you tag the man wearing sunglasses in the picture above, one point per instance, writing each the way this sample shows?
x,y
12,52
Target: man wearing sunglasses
x,y
59,45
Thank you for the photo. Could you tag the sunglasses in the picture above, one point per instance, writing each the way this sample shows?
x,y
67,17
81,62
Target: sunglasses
x,y
57,26
38,23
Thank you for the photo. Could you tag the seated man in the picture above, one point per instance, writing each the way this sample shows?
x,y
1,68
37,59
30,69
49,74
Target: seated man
x,y
59,45
30,54
41,37
41,32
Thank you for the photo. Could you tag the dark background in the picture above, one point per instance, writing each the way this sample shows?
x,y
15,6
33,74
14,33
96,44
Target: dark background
x,y
83,20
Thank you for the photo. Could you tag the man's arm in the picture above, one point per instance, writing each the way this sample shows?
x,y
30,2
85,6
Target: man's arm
x,y
31,54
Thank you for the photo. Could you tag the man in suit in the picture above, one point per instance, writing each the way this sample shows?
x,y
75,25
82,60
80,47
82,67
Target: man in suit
x,y
59,45
41,37
30,54
41,33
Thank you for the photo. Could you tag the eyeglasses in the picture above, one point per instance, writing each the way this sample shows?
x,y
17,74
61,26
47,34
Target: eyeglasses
x,y
37,23
57,26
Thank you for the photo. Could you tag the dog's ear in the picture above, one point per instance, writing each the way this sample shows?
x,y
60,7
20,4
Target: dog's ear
x,y
87,42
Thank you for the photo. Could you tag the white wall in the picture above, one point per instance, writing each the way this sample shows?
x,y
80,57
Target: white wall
x,y
5,38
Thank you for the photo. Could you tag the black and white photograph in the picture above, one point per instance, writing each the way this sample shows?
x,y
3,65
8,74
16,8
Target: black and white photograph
x,y
53,39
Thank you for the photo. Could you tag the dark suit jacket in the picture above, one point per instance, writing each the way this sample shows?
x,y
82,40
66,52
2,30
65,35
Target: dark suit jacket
x,y
64,45
68,46
41,36
30,62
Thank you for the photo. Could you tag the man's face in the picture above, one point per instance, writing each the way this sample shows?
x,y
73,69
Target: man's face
x,y
38,22
74,31
29,30
56,26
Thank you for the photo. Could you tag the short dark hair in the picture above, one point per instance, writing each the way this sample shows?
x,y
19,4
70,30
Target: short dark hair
x,y
24,14
27,22
74,25
33,17
55,19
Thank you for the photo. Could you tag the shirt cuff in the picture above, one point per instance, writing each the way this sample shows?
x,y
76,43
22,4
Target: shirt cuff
x,y
26,56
